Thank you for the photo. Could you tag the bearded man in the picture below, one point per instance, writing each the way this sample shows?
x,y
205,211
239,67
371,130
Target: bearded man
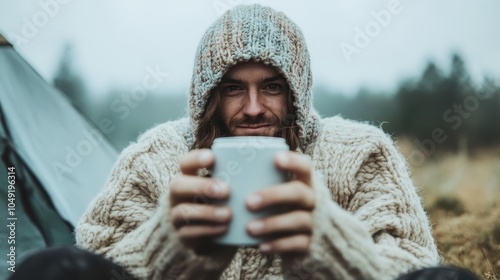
x,y
353,212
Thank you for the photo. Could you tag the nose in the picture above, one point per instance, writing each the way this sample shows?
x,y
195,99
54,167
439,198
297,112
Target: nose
x,y
253,106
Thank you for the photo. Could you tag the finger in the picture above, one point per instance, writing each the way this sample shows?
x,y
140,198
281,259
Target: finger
x,y
191,213
291,193
299,243
290,222
298,164
197,189
187,233
196,159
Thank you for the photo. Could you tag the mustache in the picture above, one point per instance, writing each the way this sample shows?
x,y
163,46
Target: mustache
x,y
262,119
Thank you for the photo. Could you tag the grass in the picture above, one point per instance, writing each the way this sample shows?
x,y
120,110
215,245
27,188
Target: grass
x,y
461,194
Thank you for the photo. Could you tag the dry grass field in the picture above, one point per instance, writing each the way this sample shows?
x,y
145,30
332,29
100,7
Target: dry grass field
x,y
461,194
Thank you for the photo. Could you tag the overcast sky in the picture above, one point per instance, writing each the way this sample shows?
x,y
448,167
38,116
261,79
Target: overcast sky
x,y
115,41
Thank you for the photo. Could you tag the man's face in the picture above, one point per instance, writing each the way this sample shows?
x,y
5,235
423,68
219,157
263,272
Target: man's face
x,y
253,99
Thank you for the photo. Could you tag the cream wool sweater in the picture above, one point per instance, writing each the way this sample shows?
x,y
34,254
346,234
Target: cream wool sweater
x,y
368,221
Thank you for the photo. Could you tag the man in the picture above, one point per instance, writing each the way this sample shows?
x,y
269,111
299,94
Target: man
x,y
354,213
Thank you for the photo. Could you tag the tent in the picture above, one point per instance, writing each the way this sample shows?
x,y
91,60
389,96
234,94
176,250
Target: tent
x,y
57,159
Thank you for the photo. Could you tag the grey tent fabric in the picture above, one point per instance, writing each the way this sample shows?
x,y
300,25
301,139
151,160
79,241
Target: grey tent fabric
x,y
27,240
37,224
61,161
68,156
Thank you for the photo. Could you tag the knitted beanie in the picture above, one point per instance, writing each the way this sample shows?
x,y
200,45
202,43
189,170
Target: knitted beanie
x,y
257,33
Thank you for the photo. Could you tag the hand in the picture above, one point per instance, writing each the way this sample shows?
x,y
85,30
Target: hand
x,y
293,228
196,221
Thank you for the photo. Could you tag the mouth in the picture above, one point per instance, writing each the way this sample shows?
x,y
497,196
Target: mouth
x,y
252,129
254,126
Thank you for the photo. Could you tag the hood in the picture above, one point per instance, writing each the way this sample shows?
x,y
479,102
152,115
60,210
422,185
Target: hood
x,y
254,32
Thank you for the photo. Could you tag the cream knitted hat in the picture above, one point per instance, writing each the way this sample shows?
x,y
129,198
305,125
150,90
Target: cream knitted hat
x,y
262,34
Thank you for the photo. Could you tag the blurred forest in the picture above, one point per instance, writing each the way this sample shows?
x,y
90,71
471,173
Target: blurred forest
x,y
447,109
441,112
445,124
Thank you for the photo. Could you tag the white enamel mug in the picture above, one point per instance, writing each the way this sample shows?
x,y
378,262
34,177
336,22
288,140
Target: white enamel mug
x,y
246,164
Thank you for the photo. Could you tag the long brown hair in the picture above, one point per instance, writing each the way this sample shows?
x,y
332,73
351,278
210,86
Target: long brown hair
x,y
211,125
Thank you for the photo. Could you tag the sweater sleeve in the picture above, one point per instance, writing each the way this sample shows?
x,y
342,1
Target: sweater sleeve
x,y
380,231
129,223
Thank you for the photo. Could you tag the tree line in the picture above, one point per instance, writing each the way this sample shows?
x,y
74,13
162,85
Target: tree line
x,y
438,111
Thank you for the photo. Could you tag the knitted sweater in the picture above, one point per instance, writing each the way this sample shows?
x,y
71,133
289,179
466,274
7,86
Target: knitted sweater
x,y
368,218
368,221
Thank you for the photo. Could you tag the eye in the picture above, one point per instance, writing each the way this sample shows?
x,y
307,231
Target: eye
x,y
274,88
231,89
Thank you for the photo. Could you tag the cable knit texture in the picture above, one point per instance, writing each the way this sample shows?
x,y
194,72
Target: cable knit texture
x,y
368,221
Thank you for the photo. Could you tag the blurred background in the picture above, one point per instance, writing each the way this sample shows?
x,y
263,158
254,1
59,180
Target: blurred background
x,y
426,72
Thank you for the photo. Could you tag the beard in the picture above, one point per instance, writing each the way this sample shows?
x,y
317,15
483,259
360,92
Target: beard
x,y
273,122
